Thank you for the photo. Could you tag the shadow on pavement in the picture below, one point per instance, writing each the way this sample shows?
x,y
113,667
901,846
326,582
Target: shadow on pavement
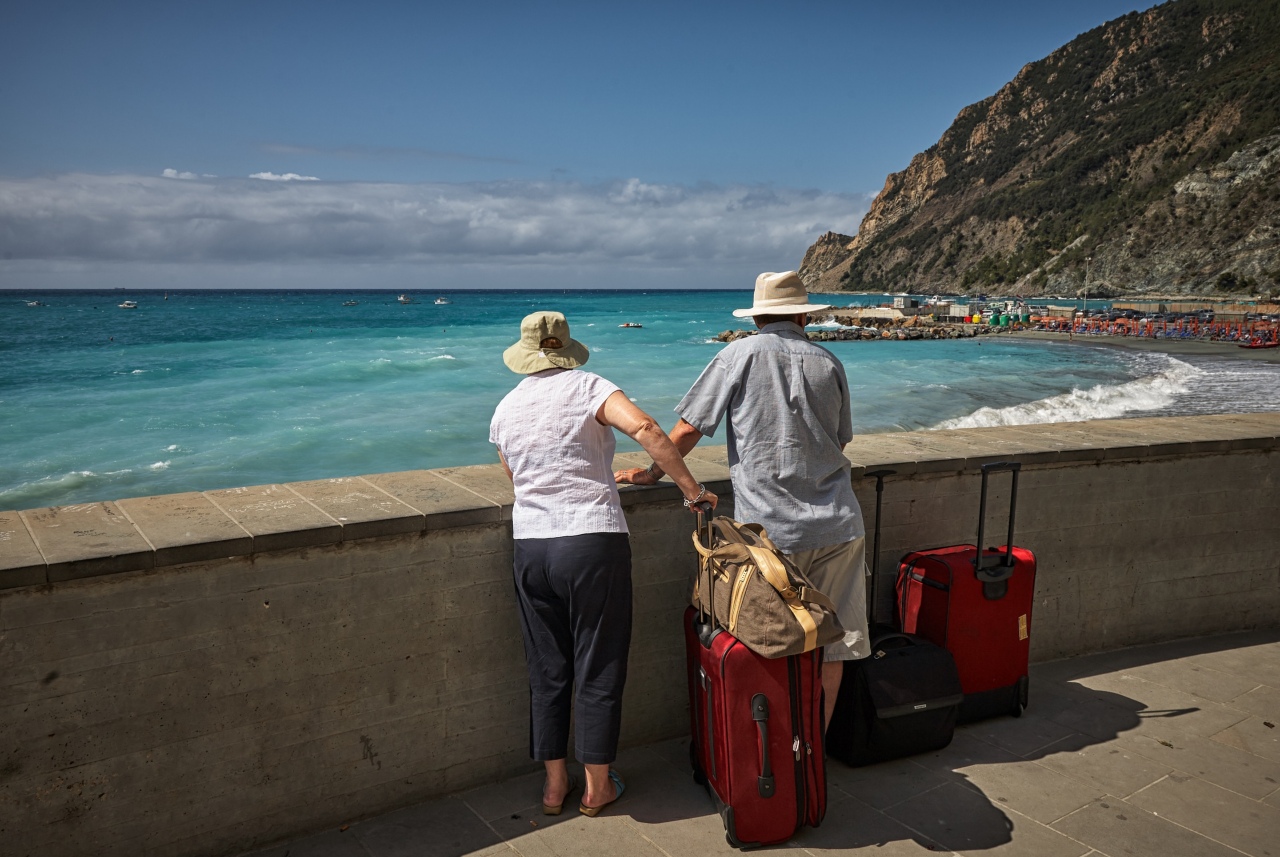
x,y
952,799
948,800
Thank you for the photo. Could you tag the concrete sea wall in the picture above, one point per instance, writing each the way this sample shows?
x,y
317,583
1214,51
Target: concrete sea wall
x,y
201,673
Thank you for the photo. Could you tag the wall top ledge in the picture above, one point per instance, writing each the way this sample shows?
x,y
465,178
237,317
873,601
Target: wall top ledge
x,y
60,543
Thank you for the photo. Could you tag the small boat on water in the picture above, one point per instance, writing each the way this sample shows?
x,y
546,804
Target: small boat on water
x,y
443,300
351,303
34,303
404,299
631,324
128,305
1258,342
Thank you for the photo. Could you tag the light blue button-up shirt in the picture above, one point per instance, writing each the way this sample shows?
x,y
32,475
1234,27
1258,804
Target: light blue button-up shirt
x,y
787,404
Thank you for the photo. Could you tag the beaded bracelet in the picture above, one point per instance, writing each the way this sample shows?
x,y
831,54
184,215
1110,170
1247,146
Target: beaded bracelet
x,y
702,492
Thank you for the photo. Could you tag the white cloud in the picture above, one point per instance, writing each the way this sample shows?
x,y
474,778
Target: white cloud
x,y
98,218
287,177
174,174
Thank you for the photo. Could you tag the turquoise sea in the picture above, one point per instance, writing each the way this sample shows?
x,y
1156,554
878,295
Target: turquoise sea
x,y
208,390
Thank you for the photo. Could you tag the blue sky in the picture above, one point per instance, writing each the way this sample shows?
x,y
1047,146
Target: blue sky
x,y
476,144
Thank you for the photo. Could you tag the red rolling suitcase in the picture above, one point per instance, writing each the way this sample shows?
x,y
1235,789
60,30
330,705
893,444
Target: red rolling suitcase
x,y
757,732
757,735
976,604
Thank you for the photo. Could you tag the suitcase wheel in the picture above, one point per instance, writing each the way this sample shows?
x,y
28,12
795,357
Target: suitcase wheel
x,y
1024,688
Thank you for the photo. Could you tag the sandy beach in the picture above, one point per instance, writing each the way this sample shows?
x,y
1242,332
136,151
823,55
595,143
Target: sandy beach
x,y
1213,350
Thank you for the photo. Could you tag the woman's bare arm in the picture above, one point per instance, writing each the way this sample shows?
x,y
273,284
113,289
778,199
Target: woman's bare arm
x,y
621,413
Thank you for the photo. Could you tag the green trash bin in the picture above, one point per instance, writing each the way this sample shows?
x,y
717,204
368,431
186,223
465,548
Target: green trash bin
x,y
1004,321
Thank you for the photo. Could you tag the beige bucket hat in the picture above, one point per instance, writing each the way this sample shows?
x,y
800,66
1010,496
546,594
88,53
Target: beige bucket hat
x,y
528,355
780,294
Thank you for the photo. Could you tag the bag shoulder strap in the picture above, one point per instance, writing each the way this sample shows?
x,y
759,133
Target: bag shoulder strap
x,y
747,534
813,596
773,571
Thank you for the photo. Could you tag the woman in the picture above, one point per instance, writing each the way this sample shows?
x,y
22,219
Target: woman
x,y
572,555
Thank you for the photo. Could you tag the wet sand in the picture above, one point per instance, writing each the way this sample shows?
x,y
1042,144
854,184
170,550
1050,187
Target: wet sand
x,y
1212,350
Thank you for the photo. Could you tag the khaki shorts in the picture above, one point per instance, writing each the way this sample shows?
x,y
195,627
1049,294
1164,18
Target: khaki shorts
x,y
839,572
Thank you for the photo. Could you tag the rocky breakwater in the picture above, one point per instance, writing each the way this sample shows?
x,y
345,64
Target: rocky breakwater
x,y
859,326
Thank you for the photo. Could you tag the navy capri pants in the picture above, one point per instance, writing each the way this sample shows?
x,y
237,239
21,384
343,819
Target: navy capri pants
x,y
574,594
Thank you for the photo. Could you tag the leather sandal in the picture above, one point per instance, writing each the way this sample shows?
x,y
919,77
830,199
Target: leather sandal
x,y
619,787
557,808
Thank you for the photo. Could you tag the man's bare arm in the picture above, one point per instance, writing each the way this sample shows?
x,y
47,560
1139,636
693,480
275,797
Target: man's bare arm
x,y
684,437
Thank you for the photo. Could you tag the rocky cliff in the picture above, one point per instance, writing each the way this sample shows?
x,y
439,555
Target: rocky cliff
x,y
1145,155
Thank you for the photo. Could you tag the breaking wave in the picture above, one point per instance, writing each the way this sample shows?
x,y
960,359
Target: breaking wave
x,y
50,489
1105,401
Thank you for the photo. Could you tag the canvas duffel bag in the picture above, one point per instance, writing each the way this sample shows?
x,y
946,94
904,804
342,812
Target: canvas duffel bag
x,y
749,588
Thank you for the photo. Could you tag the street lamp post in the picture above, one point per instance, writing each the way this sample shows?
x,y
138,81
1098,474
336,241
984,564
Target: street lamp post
x,y
1087,261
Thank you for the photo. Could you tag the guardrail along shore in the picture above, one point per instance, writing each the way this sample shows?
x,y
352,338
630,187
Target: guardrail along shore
x,y
196,674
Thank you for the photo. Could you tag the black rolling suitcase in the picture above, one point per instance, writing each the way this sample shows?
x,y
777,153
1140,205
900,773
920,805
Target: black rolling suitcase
x,y
903,699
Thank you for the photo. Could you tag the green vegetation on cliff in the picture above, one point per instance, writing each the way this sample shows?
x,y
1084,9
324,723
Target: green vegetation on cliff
x,y
1093,151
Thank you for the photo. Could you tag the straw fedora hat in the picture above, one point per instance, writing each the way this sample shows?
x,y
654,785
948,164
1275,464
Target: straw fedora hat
x,y
544,344
780,294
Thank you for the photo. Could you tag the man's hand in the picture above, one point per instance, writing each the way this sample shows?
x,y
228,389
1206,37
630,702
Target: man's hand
x,y
634,476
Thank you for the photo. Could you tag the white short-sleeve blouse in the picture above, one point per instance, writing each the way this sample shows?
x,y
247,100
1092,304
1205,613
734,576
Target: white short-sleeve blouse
x,y
561,458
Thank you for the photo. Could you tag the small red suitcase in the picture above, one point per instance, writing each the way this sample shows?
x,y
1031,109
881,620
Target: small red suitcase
x,y
978,608
757,735
757,731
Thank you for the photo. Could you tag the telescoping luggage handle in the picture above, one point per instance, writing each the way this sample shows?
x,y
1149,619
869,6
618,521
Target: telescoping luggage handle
x,y
996,569
879,476
706,624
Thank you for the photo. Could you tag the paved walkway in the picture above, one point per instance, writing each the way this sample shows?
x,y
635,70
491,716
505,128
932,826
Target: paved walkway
x,y
1169,751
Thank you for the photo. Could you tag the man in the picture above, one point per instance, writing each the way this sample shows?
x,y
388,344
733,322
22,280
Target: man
x,y
786,404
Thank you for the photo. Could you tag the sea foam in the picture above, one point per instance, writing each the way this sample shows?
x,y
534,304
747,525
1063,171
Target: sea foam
x,y
1105,401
